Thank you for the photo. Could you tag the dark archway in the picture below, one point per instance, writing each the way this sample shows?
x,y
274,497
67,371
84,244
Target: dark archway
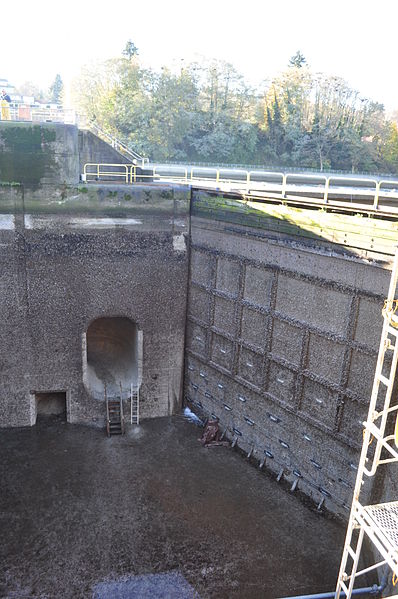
x,y
111,356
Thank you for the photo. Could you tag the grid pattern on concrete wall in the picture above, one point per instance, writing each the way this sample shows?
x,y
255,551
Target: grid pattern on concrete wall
x,y
285,361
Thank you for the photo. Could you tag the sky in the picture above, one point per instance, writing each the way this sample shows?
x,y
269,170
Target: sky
x,y
354,39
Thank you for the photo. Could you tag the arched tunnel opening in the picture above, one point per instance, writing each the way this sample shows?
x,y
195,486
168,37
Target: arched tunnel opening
x,y
112,352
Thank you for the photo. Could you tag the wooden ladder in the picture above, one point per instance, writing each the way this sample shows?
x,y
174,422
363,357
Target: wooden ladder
x,y
114,415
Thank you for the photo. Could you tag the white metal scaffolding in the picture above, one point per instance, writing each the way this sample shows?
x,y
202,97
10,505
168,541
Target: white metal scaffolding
x,y
380,447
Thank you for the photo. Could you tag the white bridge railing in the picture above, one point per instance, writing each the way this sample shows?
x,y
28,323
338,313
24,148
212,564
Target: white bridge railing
x,y
38,114
377,195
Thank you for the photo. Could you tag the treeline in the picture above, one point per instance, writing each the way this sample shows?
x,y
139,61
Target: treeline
x,y
208,113
54,94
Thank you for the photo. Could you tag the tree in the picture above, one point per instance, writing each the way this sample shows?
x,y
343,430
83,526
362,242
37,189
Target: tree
x,y
130,50
56,90
389,150
297,60
286,116
207,112
28,88
94,91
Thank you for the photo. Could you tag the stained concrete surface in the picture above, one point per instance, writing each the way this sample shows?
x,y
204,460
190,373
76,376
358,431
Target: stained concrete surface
x,y
78,509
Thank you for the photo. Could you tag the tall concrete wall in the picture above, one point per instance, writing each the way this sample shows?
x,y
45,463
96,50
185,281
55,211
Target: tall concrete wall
x,y
64,262
38,154
282,340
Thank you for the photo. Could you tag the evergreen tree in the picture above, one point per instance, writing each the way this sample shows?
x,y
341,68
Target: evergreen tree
x,y
130,50
297,60
56,90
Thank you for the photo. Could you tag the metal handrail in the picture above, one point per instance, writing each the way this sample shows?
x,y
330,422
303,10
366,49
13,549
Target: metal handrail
x,y
332,189
98,173
31,113
177,178
117,144
204,168
378,188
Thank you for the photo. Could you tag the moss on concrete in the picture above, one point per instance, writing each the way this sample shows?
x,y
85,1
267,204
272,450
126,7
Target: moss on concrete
x,y
27,152
350,230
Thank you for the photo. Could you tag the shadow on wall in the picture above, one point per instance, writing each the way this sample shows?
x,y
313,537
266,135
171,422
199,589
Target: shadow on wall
x,y
112,351
347,233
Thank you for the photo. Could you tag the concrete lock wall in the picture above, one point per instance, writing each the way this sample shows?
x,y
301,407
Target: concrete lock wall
x,y
284,309
282,340
37,154
97,252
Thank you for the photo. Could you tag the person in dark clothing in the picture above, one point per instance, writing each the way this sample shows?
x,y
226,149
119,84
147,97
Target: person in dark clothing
x,y
5,96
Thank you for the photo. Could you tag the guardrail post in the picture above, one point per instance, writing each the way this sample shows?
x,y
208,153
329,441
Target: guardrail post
x,y
284,182
127,173
186,175
247,178
376,196
217,176
98,172
326,192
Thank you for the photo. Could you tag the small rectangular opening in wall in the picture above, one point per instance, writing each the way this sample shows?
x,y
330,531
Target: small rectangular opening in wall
x,y
50,404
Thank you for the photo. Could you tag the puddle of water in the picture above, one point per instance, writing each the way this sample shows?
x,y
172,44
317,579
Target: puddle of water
x,y
34,222
100,223
179,243
147,586
7,222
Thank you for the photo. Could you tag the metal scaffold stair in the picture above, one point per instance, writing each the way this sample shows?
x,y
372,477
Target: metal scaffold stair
x,y
378,522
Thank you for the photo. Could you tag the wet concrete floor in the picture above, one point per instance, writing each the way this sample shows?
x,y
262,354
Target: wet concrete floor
x,y
78,509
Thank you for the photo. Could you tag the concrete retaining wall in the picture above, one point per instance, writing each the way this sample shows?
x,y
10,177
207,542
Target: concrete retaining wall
x,y
38,154
119,251
282,341
93,150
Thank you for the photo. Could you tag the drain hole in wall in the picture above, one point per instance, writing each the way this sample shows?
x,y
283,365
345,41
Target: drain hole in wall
x,y
50,405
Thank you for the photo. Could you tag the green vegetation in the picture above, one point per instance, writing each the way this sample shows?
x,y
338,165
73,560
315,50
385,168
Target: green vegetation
x,y
56,90
206,112
53,94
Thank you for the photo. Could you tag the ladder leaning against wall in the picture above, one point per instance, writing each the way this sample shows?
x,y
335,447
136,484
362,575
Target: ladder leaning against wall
x,y
134,404
378,522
